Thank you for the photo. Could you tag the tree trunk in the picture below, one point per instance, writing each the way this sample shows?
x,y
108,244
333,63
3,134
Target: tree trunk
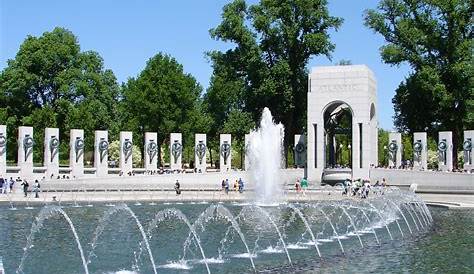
x,y
456,135
210,155
159,155
287,142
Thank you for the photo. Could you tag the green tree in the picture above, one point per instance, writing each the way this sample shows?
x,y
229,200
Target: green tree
x,y
164,99
51,83
435,38
223,95
383,147
114,154
407,146
274,41
238,124
416,103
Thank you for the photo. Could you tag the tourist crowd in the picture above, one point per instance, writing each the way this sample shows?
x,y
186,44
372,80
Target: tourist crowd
x,y
362,188
238,185
7,186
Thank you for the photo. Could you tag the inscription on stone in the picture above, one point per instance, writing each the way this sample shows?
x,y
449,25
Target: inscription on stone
x,y
338,87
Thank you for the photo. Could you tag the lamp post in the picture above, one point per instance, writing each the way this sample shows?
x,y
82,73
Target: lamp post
x,y
340,154
385,160
350,155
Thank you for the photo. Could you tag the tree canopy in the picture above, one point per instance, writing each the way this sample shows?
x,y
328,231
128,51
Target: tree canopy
x,y
51,83
435,38
164,99
274,41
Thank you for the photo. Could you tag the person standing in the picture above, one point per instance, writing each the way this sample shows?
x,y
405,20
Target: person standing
x,y
236,185
304,185
226,186
12,182
297,185
223,185
2,184
36,188
177,188
5,186
25,187
241,185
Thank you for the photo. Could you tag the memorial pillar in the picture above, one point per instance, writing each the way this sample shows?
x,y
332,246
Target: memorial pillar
x,y
225,159
51,152
300,151
101,153
468,150
25,151
200,152
176,151
420,151
151,151
395,150
445,151
76,153
126,151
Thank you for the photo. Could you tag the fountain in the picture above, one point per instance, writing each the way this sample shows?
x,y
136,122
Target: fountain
x,y
210,238
263,235
265,151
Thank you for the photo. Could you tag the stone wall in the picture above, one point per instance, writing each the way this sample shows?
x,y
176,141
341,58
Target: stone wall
x,y
425,180
209,180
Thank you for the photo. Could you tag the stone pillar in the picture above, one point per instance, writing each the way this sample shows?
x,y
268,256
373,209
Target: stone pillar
x,y
76,152
151,150
395,149
468,151
300,151
366,148
225,145
355,151
101,153
445,151
51,151
246,152
200,152
420,151
126,151
176,151
3,150
25,151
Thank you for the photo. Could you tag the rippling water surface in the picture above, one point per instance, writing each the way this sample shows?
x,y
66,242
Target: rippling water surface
x,y
447,246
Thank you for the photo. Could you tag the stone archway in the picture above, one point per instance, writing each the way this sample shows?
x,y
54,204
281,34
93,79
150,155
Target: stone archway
x,y
337,117
331,88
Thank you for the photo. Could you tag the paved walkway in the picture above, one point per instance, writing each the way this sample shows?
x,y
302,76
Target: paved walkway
x,y
163,195
167,195
452,201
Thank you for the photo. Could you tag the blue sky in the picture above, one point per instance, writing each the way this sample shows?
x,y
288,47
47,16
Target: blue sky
x,y
127,33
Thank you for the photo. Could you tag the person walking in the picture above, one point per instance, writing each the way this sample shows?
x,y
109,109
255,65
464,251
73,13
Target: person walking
x,y
25,187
